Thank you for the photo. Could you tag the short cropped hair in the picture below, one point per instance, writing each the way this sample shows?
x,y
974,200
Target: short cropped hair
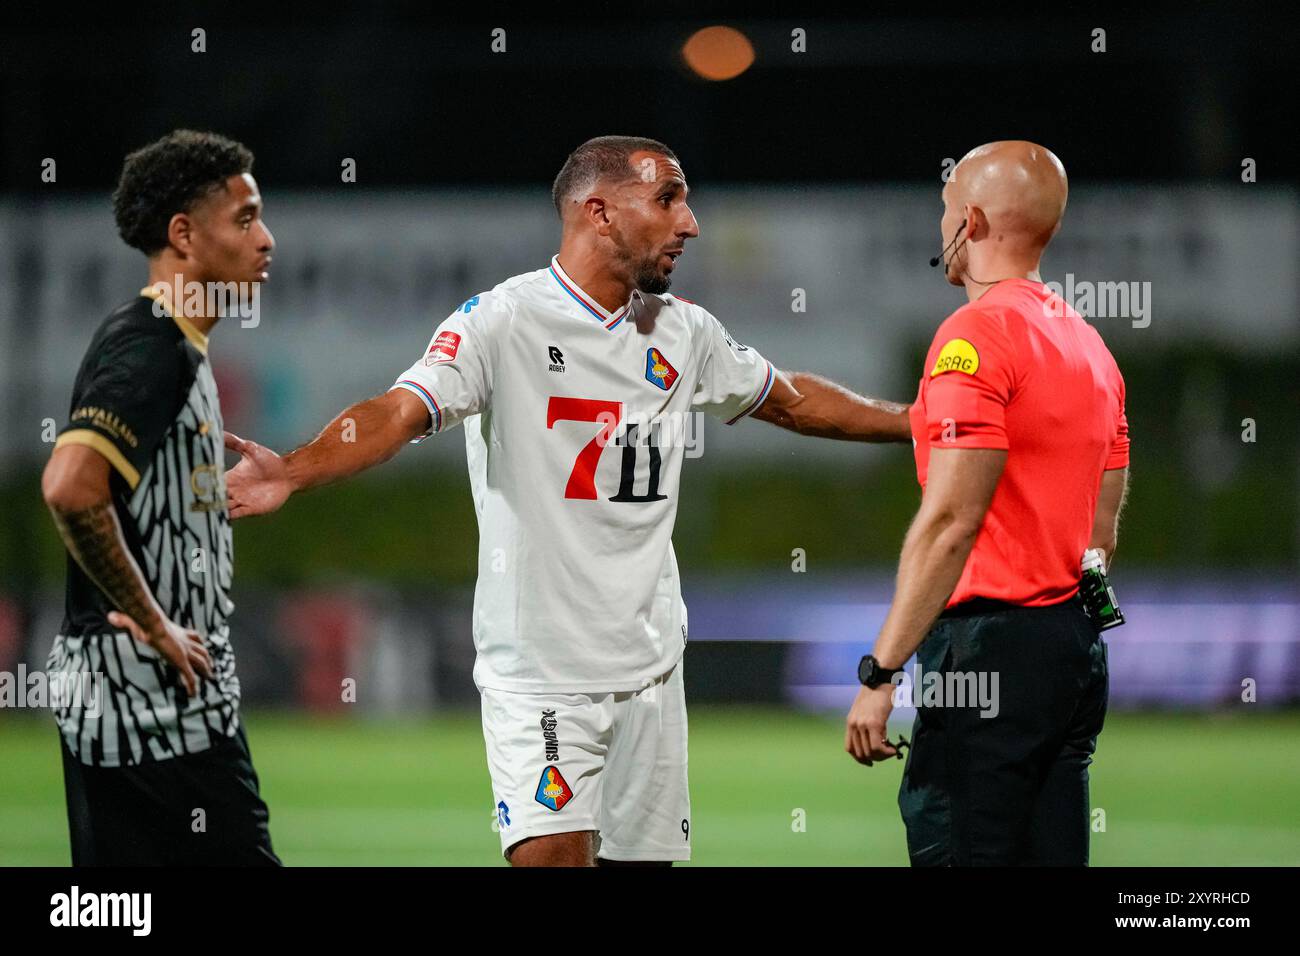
x,y
601,158
171,176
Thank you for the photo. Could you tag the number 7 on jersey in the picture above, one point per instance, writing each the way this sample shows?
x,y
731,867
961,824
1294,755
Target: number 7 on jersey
x,y
582,480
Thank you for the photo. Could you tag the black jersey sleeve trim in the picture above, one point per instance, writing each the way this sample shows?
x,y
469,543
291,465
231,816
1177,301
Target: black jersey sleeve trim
x,y
132,384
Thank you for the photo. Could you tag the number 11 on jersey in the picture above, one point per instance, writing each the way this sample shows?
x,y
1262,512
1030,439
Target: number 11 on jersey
x,y
582,479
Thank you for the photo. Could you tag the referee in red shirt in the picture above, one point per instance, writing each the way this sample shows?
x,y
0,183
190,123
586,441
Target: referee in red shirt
x,y
1022,455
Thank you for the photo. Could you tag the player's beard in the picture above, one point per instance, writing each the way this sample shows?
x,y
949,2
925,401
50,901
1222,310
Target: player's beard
x,y
650,280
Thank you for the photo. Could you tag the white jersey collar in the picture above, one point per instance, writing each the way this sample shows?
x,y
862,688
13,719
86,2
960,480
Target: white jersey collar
x,y
589,305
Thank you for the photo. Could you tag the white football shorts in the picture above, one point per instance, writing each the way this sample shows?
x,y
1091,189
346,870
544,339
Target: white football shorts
x,y
613,763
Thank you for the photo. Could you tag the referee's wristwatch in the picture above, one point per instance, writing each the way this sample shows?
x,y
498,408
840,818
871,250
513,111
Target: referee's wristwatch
x,y
872,675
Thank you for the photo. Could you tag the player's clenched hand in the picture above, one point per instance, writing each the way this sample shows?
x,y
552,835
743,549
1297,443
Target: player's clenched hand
x,y
182,647
864,731
259,483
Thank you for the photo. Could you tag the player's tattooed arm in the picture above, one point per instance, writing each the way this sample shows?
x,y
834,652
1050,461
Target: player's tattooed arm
x,y
813,405
93,537
367,434
75,487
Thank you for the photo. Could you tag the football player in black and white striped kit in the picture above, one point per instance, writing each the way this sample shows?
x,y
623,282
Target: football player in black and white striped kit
x,y
136,486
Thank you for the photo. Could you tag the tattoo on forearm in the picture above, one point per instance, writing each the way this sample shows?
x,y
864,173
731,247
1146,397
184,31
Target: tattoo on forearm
x,y
94,539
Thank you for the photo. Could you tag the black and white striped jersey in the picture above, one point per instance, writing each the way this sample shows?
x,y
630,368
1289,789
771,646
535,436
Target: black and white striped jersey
x,y
146,400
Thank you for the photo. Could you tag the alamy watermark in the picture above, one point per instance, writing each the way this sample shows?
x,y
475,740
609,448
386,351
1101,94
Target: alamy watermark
x,y
664,430
218,299
1102,300
133,911
948,689
58,690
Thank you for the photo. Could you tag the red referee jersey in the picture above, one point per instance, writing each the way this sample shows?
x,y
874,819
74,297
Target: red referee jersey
x,y
1019,369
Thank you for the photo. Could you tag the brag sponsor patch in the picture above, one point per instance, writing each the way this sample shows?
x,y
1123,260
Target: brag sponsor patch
x,y
443,349
957,355
553,790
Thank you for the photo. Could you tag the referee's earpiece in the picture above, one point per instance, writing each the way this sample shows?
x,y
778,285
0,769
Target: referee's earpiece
x,y
944,251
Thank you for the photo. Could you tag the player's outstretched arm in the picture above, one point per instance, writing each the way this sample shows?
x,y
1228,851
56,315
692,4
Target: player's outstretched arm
x,y
812,405
362,436
75,488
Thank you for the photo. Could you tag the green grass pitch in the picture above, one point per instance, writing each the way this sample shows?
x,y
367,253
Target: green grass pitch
x,y
1189,790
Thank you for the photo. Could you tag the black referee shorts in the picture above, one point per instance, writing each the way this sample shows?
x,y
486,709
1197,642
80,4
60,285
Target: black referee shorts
x,y
1010,789
146,815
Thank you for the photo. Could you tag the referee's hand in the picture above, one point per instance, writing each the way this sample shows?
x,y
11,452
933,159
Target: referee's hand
x,y
864,730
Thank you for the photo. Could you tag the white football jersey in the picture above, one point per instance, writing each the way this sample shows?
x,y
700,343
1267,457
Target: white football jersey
x,y
574,418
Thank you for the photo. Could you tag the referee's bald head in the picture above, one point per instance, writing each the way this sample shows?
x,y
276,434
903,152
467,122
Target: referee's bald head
x,y
1020,186
1013,192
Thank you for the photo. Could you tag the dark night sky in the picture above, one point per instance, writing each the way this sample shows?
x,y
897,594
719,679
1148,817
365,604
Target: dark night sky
x,y
419,101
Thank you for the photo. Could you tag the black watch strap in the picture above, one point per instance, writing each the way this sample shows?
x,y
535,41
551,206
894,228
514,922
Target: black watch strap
x,y
872,675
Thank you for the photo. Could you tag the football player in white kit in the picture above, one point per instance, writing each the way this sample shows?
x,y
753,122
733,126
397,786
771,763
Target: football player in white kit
x,y
571,382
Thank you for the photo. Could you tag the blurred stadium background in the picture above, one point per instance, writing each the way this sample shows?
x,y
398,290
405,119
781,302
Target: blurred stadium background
x,y
815,175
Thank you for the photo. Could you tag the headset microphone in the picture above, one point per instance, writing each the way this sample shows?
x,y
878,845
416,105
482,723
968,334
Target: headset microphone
x,y
943,252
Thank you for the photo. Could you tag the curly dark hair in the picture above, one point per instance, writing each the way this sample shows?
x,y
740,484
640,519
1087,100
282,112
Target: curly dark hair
x,y
170,176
